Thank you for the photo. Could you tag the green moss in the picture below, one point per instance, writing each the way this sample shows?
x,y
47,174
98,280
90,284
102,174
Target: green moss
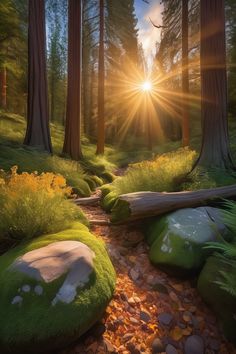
x,y
222,302
37,325
154,228
120,211
106,189
109,201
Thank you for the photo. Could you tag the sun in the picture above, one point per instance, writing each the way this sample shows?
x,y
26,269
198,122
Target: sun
x,y
146,86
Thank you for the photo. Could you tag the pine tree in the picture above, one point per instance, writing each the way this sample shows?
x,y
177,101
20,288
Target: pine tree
x,y
72,142
37,133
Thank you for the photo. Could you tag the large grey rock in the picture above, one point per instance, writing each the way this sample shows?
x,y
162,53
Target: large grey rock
x,y
50,262
177,239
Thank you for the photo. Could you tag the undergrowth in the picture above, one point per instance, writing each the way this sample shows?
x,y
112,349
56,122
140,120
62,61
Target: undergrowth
x,y
34,204
160,174
226,252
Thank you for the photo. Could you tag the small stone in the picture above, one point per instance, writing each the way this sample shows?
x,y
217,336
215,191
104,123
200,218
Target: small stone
x,y
17,300
214,345
165,318
144,316
127,336
161,288
194,345
38,290
133,320
170,349
124,297
173,296
26,288
109,347
157,346
132,348
150,279
131,301
134,275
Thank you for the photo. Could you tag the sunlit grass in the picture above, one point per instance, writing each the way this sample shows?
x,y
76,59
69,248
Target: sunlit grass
x,y
158,175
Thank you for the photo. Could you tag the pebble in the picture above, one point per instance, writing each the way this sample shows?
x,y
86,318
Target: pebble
x,y
170,349
161,288
133,320
157,346
128,336
194,345
132,348
109,347
144,316
165,318
214,345
124,297
134,275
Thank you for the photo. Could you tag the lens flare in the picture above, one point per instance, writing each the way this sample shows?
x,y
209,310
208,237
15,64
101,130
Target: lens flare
x,y
146,86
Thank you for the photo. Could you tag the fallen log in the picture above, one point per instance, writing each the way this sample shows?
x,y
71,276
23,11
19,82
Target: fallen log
x,y
86,201
141,205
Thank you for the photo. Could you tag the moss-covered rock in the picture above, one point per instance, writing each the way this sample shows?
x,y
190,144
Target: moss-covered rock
x,y
177,239
222,301
38,314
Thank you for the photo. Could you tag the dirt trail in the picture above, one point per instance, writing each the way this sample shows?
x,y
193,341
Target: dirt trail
x,y
132,321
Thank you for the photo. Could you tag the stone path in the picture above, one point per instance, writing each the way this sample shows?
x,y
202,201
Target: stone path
x,y
150,312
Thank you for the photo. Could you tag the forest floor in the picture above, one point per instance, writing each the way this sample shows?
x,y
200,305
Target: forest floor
x,y
150,309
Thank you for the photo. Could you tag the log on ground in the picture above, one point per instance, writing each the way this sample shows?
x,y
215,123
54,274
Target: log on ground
x,y
134,206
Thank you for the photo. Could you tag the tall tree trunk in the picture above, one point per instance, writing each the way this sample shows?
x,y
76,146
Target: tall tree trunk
x,y
52,88
72,142
101,80
38,132
3,87
185,75
215,151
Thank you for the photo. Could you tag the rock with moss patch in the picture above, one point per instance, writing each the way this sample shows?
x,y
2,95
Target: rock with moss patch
x,y
55,288
222,301
177,239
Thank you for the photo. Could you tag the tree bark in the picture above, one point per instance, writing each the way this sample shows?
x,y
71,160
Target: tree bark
x,y
72,142
3,87
101,80
215,151
38,132
185,75
141,205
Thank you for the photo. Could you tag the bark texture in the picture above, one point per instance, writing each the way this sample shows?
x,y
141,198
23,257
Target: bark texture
x,y
72,142
215,151
141,205
38,132
185,75
3,87
101,79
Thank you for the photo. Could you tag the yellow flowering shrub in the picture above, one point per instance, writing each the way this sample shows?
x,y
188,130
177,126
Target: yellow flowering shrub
x,y
32,204
157,175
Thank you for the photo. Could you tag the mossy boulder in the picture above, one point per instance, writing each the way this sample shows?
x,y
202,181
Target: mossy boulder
x,y
222,301
53,289
177,239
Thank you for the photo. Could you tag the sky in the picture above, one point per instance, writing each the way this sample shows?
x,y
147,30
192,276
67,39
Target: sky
x,y
148,34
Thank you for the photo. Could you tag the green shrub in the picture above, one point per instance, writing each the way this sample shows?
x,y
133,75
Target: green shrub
x,y
160,174
225,251
32,205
